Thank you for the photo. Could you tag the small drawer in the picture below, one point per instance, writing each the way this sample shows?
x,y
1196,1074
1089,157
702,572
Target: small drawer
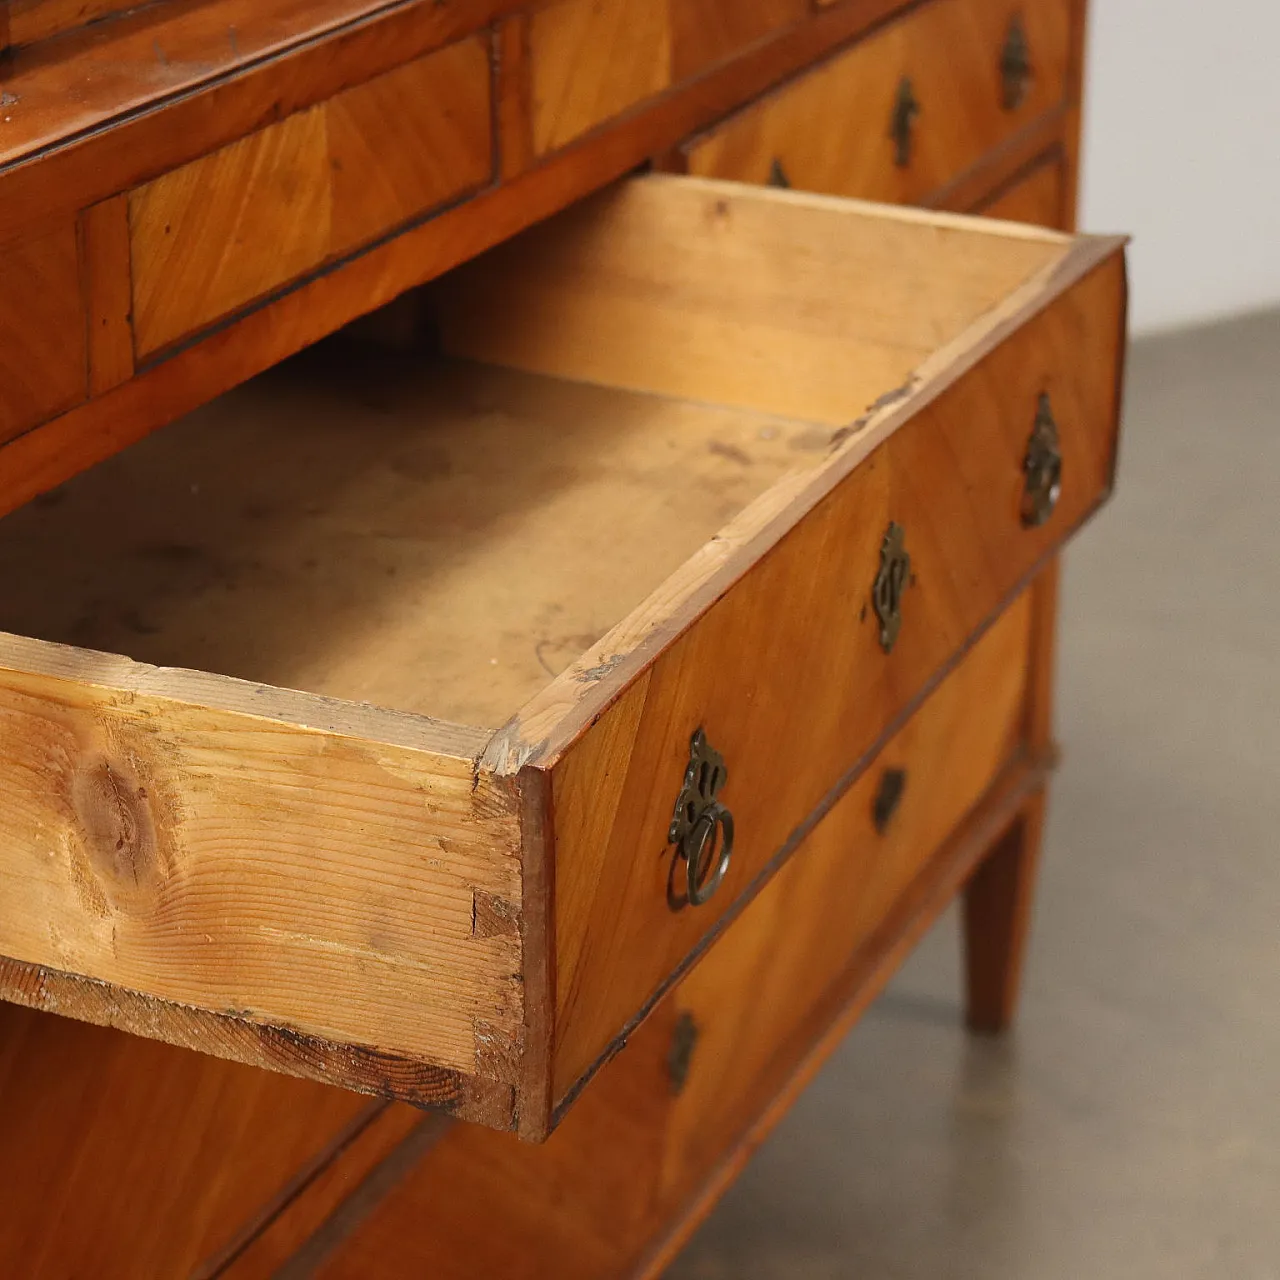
x,y
387,791
949,81
592,60
643,1153
217,234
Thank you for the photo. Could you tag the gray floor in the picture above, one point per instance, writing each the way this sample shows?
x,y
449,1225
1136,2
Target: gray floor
x,y
1130,1127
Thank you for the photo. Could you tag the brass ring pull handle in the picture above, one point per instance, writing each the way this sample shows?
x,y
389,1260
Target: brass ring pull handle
x,y
1015,65
701,827
902,123
1041,468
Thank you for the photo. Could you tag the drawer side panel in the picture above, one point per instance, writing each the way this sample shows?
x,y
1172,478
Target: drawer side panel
x,y
257,888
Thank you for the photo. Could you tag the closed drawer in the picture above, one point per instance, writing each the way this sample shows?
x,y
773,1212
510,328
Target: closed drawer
x,y
212,236
947,83
384,792
1038,194
114,1123
592,60
640,1155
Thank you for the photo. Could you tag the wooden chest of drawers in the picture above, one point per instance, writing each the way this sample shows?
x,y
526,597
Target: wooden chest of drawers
x,y
566,716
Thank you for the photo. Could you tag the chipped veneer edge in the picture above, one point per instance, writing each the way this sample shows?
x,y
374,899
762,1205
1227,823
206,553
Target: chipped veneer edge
x,y
550,722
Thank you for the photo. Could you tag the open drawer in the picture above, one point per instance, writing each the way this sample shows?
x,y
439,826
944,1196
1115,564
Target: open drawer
x,y
704,473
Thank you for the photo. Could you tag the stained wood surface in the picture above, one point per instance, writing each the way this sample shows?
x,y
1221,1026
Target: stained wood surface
x,y
79,90
1037,195
122,1157
33,20
632,1159
105,236
95,165
223,230
42,328
705,32
366,1153
950,52
591,60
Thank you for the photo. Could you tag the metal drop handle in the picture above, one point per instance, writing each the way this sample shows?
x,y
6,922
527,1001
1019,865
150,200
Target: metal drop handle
x,y
701,828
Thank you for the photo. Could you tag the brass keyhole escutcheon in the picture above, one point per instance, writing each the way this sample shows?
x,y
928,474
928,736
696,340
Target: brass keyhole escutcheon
x,y
902,124
893,782
1041,467
1015,65
684,1038
778,176
891,584
701,828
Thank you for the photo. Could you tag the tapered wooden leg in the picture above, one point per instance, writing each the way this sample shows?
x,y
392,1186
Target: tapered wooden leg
x,y
997,918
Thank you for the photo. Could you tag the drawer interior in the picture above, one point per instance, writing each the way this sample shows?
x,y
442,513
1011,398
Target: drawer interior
x,y
444,532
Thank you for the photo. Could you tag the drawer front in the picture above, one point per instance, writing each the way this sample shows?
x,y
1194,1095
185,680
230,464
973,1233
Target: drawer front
x,y
906,111
1037,195
121,1157
591,60
43,338
214,235
787,674
633,1157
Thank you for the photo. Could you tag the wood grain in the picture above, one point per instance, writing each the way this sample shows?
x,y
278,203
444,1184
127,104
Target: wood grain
x,y
514,94
632,1158
42,328
714,292
797,633
193,374
1037,194
592,59
214,235
308,1203
171,81
32,20
410,533
198,850
705,32
949,50
107,275
124,1157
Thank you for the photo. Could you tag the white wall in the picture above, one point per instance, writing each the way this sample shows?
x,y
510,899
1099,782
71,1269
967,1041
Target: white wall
x,y
1182,149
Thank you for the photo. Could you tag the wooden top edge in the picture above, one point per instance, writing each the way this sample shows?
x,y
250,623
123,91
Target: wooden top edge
x,y
964,222
539,734
43,116
205,689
